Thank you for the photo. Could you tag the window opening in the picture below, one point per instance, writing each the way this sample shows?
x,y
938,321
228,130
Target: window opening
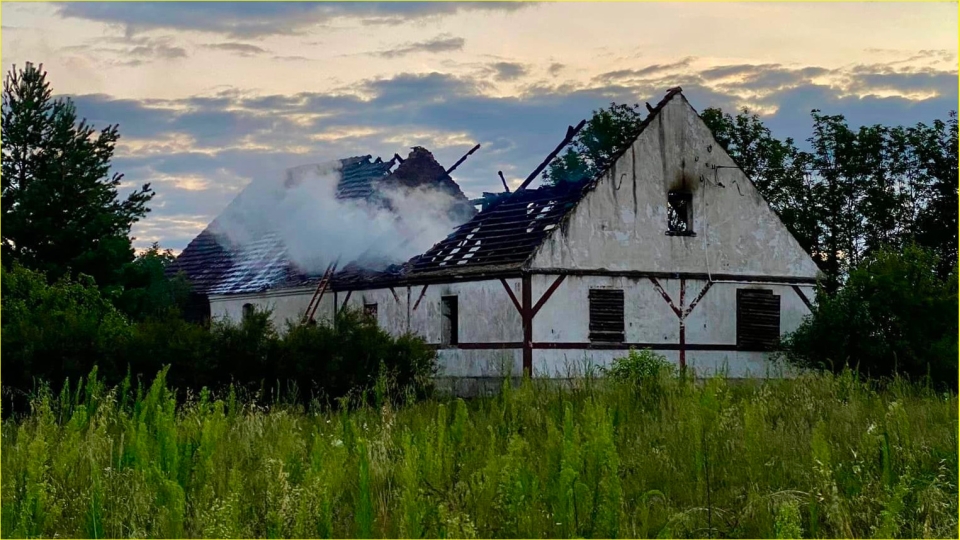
x,y
606,315
449,329
679,213
758,320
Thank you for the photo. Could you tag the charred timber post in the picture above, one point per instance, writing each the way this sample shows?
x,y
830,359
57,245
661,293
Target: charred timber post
x,y
504,180
571,133
464,158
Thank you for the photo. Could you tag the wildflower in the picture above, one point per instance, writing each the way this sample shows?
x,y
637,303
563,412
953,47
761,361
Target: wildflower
x,y
337,443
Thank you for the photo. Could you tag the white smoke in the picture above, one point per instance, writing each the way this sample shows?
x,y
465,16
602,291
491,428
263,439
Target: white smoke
x,y
315,227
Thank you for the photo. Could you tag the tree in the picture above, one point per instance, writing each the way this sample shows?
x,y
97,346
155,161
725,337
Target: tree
x,y
61,210
934,157
56,330
145,291
604,136
894,315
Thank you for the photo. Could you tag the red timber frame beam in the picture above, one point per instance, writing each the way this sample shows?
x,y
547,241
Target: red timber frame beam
x,y
528,310
803,297
682,311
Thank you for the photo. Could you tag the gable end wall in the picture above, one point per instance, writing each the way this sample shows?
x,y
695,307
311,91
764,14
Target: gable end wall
x,y
621,223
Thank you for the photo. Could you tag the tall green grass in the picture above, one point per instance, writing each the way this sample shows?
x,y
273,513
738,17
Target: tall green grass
x,y
816,456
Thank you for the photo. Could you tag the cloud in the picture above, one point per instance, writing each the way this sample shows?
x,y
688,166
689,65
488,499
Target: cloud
x,y
291,58
241,49
131,51
555,68
439,44
507,71
253,19
628,74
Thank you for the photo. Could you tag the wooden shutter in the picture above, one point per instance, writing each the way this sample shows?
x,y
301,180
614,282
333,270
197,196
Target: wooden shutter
x,y
606,315
758,319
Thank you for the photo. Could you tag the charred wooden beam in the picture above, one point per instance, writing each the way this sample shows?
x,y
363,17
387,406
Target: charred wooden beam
x,y
504,180
464,158
398,158
571,133
649,107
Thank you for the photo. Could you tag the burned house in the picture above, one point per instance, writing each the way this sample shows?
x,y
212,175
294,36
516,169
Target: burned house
x,y
670,248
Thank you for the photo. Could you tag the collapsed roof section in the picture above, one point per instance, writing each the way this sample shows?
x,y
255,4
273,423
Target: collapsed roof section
x,y
506,233
216,263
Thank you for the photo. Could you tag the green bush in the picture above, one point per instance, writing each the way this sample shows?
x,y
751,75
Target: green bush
x,y
330,361
56,331
639,367
892,316
61,332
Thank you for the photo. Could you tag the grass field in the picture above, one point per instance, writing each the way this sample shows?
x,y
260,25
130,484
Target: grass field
x,y
817,456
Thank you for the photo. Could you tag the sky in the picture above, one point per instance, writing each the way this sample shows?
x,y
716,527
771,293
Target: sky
x,y
209,96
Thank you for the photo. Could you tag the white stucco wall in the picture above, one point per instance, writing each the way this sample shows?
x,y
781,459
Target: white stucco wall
x,y
735,364
620,225
487,315
285,304
649,321
391,310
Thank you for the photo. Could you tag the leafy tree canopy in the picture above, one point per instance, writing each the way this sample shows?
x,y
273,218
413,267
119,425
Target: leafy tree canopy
x,y
893,315
605,135
62,214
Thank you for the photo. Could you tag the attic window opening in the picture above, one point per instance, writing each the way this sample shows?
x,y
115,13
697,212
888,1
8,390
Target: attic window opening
x,y
248,310
370,310
679,214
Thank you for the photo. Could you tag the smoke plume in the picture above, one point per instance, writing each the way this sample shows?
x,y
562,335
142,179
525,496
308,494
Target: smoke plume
x,y
316,227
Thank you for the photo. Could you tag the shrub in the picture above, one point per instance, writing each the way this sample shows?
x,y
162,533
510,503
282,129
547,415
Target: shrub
x,y
57,331
62,331
639,367
892,316
353,353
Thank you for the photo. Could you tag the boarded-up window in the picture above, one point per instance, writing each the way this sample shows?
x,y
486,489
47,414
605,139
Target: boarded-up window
x,y
606,315
679,214
370,310
758,319
449,321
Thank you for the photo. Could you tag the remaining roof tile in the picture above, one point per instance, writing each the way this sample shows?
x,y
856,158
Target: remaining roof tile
x,y
506,233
